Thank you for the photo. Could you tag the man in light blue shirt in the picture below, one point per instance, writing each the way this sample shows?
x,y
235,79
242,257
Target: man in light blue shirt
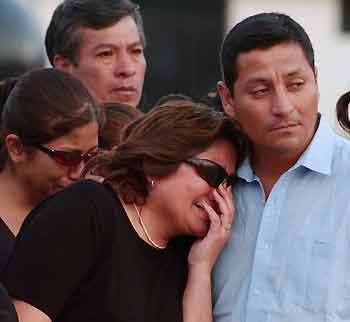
x,y
288,258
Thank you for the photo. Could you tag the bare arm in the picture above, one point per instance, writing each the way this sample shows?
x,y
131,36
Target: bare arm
x,y
197,303
28,313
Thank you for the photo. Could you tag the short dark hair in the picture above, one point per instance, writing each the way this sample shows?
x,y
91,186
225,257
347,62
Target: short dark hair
x,y
43,105
164,137
262,30
63,36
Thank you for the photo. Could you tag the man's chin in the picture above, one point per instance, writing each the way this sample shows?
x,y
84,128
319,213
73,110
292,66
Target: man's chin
x,y
130,100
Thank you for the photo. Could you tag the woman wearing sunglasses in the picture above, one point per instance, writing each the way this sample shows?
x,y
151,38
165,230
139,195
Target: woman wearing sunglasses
x,y
48,131
140,246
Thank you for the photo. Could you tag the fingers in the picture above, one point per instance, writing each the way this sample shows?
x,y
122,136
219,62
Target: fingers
x,y
220,219
224,199
213,216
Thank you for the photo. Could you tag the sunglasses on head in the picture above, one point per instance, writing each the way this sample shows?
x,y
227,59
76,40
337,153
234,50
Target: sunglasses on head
x,y
214,174
67,158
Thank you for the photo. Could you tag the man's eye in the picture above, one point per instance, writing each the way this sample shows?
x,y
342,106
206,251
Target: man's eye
x,y
137,51
105,54
296,85
260,91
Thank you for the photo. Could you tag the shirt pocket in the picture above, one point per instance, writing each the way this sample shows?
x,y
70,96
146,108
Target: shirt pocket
x,y
341,293
319,271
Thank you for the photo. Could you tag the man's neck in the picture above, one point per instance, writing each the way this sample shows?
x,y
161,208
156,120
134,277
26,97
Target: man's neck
x,y
270,166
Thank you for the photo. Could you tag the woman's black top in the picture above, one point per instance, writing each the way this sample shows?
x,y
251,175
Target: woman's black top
x,y
78,258
7,310
7,242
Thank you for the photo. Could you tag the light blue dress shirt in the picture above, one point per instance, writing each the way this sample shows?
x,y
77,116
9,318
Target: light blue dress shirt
x,y
288,259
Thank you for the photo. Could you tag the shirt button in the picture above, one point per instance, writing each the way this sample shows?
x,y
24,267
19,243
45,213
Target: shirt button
x,y
256,291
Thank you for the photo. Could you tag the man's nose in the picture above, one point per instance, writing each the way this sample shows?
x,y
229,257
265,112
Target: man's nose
x,y
125,66
282,104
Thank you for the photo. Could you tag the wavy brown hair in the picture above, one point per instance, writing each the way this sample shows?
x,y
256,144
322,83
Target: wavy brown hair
x,y
164,137
116,117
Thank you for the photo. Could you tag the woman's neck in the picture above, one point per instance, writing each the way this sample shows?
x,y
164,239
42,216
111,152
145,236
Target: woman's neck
x,y
150,227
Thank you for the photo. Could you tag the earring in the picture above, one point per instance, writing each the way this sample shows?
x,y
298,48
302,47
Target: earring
x,y
152,183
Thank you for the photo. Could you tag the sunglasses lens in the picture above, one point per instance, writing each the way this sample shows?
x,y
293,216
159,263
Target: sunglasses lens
x,y
69,159
211,173
230,180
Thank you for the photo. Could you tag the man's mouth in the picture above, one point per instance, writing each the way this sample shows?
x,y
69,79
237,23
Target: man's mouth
x,y
282,126
125,90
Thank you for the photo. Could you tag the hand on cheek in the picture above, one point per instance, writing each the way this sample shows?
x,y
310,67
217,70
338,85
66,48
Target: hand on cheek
x,y
205,251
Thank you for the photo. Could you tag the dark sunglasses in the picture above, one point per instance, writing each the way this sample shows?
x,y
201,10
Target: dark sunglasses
x,y
214,174
67,158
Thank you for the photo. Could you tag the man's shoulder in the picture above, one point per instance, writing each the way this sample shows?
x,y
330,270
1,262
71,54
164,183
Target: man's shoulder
x,y
341,153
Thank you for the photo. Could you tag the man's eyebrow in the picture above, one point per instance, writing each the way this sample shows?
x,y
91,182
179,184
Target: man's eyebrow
x,y
262,79
257,79
111,45
136,43
295,72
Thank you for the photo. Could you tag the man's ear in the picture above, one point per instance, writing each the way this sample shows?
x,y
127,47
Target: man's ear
x,y
316,80
15,148
226,99
62,63
316,74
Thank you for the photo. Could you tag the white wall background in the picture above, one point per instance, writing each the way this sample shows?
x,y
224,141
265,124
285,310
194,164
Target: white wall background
x,y
320,18
42,11
322,21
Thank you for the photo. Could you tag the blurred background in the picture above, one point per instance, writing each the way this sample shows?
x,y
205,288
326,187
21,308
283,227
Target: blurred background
x,y
184,38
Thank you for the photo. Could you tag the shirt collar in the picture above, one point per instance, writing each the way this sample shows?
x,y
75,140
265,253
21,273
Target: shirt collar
x,y
317,157
245,171
319,154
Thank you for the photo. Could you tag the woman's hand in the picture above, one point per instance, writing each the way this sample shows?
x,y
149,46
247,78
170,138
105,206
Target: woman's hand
x,y
205,251
197,305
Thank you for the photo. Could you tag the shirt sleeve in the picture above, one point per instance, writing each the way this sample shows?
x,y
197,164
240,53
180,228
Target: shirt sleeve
x,y
57,246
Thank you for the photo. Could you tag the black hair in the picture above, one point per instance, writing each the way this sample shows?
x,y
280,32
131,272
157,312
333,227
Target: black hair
x,y
63,34
262,31
342,108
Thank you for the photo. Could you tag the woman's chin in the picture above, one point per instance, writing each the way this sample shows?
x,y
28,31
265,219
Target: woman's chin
x,y
201,232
